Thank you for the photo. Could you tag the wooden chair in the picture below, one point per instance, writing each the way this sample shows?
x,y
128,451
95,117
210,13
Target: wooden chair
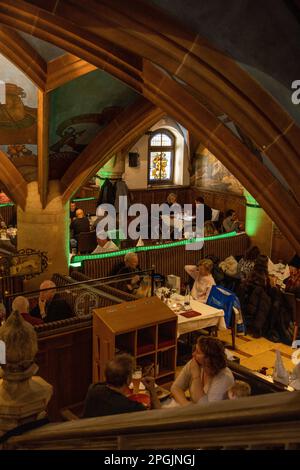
x,y
87,242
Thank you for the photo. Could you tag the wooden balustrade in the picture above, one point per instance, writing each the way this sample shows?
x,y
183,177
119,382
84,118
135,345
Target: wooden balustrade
x,y
170,260
263,421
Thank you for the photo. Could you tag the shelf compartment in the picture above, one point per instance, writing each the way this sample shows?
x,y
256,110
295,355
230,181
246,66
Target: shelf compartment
x,y
125,343
166,334
146,340
166,362
146,361
165,379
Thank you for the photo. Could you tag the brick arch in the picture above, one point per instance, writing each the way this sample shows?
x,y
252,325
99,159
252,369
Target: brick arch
x,y
98,33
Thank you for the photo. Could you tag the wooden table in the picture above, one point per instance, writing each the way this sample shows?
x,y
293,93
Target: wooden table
x,y
208,316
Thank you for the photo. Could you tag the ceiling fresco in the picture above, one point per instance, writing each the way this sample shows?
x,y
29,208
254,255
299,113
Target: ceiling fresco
x,y
18,119
78,111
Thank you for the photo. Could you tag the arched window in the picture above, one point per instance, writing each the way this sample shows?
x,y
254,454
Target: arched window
x,y
161,157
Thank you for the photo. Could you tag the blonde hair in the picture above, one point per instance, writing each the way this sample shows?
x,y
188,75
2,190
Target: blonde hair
x,y
21,304
240,389
207,263
171,195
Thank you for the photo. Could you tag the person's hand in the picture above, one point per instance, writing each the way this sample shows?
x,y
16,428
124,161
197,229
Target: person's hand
x,y
135,280
195,369
42,306
149,383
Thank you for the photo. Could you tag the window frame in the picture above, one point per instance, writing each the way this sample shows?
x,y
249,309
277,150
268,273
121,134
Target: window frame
x,y
158,148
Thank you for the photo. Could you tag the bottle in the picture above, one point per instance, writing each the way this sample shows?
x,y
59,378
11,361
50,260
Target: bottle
x,y
187,296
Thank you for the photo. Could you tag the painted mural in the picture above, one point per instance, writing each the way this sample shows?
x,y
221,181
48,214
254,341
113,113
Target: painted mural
x,y
18,118
209,173
78,111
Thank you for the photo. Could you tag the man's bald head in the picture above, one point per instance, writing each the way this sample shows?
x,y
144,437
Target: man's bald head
x,y
47,295
79,214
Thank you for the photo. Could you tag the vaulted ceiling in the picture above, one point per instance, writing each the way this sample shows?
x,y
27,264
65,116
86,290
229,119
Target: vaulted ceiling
x,y
215,70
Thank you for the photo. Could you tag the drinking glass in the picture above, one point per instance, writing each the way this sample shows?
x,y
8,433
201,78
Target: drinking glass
x,y
136,379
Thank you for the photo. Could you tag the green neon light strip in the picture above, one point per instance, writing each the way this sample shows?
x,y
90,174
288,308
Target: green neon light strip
x,y
80,258
257,206
84,199
7,204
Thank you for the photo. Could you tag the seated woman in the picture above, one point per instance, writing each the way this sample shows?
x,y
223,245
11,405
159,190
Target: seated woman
x,y
203,279
205,376
231,223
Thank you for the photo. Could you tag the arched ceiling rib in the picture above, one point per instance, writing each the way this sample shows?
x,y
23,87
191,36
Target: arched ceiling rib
x,y
20,53
133,121
13,180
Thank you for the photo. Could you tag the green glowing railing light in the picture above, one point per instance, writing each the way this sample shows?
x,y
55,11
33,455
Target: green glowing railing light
x,y
84,199
80,258
5,204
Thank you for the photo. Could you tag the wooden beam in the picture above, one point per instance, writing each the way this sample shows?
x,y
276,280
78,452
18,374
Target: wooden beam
x,y
64,69
43,145
13,180
22,55
132,122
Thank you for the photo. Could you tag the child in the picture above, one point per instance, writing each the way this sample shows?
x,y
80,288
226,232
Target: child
x,y
238,390
203,279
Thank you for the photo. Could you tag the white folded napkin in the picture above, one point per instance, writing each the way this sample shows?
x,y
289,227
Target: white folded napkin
x,y
280,374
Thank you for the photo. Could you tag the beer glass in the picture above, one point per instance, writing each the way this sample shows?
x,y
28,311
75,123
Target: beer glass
x,y
136,379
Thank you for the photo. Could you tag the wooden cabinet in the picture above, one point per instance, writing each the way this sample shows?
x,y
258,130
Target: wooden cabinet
x,y
145,328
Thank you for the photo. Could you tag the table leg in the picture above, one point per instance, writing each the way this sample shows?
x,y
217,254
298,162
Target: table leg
x,y
233,328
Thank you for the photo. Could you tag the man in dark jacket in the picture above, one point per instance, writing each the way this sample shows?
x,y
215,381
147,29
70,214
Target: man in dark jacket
x,y
79,224
110,397
50,306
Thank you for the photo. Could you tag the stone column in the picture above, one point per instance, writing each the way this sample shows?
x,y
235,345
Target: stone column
x,y
23,395
259,226
113,169
45,230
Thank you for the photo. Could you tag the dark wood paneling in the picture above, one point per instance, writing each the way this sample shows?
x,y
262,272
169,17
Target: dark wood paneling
x,y
65,361
9,214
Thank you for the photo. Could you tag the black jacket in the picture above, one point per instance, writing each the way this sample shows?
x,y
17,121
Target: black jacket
x,y
107,193
256,306
56,309
102,401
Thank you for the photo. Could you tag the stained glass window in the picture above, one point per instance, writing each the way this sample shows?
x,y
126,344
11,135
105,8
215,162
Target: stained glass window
x,y
161,156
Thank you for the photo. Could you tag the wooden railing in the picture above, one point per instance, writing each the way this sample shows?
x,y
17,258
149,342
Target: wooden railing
x,y
254,422
170,260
